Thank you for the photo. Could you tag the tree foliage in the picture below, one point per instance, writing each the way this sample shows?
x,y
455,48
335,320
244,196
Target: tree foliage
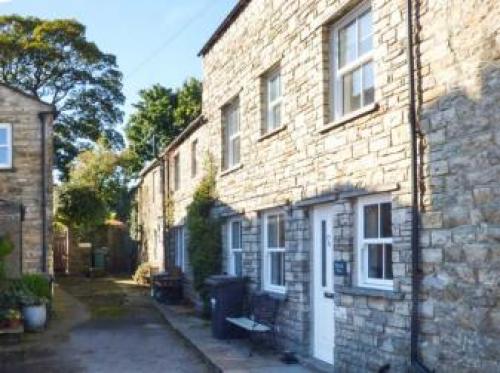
x,y
54,61
95,191
204,231
101,169
164,113
80,208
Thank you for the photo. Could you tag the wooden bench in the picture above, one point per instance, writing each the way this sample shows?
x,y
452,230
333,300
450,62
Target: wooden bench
x,y
261,319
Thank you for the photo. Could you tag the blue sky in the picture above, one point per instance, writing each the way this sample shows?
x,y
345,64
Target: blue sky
x,y
155,41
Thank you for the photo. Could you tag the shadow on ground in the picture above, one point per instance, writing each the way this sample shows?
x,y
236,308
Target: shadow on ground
x,y
102,325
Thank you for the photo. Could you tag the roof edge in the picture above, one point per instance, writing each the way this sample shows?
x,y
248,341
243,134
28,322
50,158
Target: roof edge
x,y
224,26
30,96
148,167
194,125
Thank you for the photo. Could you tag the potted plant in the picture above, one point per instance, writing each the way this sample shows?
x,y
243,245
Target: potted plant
x,y
34,311
10,319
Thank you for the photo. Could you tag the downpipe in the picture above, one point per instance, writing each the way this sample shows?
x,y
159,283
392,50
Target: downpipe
x,y
416,364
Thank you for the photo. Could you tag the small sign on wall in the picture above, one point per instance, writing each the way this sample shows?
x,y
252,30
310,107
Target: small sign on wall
x,y
340,267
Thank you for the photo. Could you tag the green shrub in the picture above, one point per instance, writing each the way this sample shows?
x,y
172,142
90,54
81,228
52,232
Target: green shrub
x,y
6,247
204,231
38,285
28,290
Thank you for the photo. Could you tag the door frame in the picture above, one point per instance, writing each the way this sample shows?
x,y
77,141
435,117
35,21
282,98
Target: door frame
x,y
312,214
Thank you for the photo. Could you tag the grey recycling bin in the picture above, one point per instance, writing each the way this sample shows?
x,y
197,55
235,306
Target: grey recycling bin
x,y
227,296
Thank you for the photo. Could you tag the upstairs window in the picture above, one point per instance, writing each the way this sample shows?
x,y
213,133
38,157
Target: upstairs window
x,y
273,101
177,172
375,241
231,135
352,62
5,145
274,252
194,160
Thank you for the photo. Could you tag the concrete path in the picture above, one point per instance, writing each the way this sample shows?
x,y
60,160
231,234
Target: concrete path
x,y
224,355
103,325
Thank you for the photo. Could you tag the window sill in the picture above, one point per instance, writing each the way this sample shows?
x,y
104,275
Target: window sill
x,y
369,292
231,170
349,117
272,133
7,169
277,294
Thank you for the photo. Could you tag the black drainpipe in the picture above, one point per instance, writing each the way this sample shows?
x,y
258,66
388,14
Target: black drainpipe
x,y
416,364
43,205
21,249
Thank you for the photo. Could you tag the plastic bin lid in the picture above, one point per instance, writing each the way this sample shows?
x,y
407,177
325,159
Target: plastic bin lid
x,y
217,280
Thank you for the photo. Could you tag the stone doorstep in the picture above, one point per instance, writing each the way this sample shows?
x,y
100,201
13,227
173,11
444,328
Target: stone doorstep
x,y
221,355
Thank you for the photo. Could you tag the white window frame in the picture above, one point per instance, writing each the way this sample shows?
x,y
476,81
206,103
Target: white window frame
x,y
362,249
266,257
180,247
337,98
271,105
8,145
231,251
229,140
177,171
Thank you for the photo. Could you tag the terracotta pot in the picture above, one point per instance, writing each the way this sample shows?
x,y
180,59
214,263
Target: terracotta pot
x,y
34,317
14,324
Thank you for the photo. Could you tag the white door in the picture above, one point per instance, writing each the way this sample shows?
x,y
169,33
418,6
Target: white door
x,y
323,303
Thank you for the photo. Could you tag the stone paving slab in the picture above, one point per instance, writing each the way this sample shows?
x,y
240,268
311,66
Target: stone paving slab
x,y
223,355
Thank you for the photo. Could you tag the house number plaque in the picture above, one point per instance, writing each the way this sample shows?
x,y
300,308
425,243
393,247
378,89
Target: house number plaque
x,y
340,267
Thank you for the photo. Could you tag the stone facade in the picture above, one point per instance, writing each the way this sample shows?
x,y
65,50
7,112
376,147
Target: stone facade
x,y
150,203
21,192
460,119
313,160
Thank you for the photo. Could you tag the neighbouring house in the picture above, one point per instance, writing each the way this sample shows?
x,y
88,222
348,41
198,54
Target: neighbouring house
x,y
359,176
26,180
150,216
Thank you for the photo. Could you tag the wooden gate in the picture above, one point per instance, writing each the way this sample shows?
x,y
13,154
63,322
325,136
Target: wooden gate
x,y
61,240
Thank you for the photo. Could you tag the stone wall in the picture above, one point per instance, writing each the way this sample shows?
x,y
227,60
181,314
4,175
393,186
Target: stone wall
x,y
312,157
460,116
150,217
22,183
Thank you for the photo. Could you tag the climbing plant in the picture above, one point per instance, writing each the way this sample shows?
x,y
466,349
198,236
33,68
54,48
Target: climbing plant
x,y
6,247
204,230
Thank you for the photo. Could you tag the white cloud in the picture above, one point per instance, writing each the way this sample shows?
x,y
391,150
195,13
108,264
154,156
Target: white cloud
x,y
5,1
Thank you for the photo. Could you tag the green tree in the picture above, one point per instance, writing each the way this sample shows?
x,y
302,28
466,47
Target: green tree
x,y
163,113
188,102
54,61
101,169
80,208
97,180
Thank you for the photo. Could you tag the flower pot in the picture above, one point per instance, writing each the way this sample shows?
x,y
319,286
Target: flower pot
x,y
14,324
34,317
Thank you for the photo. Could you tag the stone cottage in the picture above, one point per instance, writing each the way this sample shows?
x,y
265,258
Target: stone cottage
x,y
26,180
359,175
149,203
